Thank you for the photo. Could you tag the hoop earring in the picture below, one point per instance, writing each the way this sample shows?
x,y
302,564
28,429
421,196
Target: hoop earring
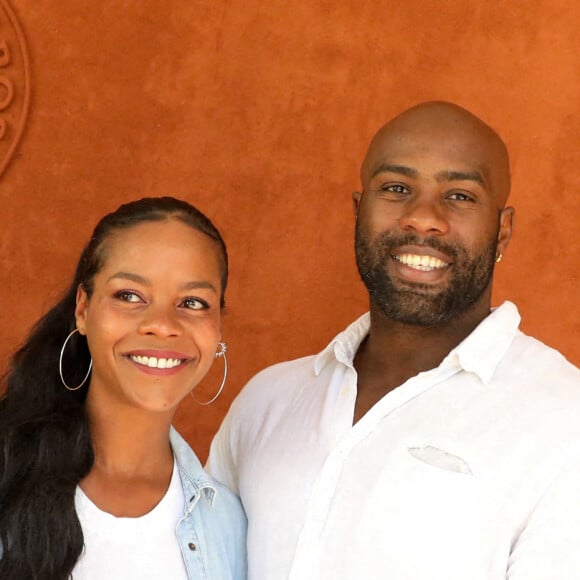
x,y
219,354
60,365
498,258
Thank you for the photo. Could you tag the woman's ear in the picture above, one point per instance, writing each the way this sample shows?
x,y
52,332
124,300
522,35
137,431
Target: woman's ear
x,y
81,309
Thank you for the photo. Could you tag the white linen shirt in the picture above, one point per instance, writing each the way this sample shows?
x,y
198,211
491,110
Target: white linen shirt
x,y
469,471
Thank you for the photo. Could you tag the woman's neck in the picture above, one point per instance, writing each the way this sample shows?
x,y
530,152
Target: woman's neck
x,y
133,459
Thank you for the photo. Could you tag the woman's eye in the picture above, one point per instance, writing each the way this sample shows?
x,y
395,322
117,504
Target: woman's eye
x,y
195,304
128,296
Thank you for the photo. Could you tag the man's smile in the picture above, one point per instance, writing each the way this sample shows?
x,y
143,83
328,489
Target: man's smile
x,y
421,262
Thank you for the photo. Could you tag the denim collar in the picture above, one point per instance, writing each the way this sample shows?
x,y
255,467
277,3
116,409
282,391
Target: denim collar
x,y
195,481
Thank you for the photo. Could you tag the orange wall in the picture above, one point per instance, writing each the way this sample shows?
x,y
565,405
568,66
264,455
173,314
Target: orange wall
x,y
260,112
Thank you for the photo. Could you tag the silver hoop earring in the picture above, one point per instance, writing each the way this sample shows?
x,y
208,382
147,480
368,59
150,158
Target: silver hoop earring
x,y
219,354
60,365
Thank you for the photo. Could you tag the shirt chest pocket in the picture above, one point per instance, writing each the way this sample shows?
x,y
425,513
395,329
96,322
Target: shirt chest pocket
x,y
435,509
443,490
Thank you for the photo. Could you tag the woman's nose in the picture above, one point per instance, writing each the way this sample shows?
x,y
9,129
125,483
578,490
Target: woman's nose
x,y
160,321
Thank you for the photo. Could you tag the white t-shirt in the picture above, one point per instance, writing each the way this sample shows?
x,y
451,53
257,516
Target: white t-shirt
x,y
120,548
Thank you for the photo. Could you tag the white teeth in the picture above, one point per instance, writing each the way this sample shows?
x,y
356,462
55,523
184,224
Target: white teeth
x,y
423,263
156,363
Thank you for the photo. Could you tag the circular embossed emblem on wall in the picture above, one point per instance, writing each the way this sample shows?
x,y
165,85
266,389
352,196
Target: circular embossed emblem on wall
x,y
14,83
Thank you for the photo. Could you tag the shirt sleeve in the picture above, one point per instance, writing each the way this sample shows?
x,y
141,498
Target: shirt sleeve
x,y
220,463
548,546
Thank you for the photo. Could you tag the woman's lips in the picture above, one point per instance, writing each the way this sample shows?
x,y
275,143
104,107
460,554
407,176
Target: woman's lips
x,y
158,360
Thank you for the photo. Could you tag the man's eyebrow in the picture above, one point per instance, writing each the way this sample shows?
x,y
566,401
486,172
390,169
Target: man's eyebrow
x,y
193,285
461,176
400,169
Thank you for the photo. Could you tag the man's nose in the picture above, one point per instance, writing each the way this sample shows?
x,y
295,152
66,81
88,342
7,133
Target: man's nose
x,y
425,217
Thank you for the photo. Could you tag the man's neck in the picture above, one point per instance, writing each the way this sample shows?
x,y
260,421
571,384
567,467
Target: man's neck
x,y
393,352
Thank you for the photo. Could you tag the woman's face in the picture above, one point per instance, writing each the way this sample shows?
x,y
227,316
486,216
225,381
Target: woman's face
x,y
153,320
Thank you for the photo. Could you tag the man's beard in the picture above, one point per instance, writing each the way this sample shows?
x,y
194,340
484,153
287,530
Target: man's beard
x,y
416,303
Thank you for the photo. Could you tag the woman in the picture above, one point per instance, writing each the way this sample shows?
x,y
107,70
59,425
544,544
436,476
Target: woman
x,y
94,482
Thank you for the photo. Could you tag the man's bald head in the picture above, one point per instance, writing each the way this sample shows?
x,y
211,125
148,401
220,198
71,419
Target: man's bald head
x,y
442,126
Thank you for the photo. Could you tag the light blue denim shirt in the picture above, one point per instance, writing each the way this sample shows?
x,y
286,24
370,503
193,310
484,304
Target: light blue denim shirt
x,y
212,531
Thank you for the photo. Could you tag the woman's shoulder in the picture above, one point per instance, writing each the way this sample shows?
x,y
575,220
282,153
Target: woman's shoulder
x,y
197,483
214,511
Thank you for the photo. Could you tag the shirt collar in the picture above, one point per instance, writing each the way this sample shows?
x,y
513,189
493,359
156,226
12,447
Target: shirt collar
x,y
482,351
194,479
344,345
479,353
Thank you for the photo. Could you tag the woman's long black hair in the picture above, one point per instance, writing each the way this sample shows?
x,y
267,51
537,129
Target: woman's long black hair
x,y
45,439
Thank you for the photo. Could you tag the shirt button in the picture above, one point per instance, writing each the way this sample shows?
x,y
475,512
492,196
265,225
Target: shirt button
x,y
192,546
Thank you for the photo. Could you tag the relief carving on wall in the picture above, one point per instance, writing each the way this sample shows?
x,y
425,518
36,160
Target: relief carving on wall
x,y
14,83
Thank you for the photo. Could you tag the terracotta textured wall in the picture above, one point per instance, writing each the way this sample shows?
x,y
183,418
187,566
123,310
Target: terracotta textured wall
x,y
260,112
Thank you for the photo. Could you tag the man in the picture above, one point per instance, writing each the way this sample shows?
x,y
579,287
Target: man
x,y
431,440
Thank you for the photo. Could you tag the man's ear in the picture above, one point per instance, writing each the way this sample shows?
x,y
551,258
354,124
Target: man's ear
x,y
356,197
81,309
506,226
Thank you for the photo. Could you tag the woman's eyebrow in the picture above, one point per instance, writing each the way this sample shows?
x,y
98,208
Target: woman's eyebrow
x,y
130,276
193,285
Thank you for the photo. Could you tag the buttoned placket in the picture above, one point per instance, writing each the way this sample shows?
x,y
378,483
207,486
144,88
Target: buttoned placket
x,y
191,542
305,560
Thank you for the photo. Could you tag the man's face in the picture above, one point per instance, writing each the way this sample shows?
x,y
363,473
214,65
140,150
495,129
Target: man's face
x,y
416,302
428,225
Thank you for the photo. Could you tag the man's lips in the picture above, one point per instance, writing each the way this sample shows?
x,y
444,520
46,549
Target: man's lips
x,y
421,258
158,359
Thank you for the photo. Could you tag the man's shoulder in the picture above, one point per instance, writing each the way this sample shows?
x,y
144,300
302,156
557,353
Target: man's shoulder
x,y
542,362
264,401
542,387
510,357
280,378
294,374
300,365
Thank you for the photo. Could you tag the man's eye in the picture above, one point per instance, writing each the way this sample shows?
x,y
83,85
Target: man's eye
x,y
128,296
195,304
395,188
458,196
